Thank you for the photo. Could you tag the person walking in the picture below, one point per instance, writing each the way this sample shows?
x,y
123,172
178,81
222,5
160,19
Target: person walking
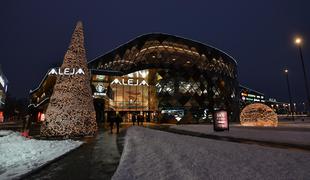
x,y
140,119
134,119
25,131
118,120
111,119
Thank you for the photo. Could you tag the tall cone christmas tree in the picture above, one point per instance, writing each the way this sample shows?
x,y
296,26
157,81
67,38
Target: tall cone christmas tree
x,y
71,111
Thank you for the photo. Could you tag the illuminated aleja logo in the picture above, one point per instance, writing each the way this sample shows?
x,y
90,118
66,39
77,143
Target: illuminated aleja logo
x,y
66,71
130,82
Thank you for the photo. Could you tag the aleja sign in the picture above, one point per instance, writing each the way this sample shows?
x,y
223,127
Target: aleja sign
x,y
221,121
66,71
130,82
133,82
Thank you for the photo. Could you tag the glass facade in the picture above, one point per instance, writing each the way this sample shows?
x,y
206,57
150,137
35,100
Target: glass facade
x,y
163,73
162,77
131,92
166,91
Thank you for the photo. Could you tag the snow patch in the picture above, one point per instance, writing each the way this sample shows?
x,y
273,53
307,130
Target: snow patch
x,y
19,155
5,132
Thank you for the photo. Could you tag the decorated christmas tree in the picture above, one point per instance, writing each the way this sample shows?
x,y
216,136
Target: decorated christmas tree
x,y
71,112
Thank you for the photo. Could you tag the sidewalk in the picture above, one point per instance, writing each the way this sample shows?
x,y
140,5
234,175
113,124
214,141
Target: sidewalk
x,y
98,158
287,136
153,154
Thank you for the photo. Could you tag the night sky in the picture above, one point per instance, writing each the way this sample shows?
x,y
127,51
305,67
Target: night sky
x,y
34,35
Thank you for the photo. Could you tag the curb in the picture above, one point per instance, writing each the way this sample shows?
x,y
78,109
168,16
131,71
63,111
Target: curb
x,y
38,169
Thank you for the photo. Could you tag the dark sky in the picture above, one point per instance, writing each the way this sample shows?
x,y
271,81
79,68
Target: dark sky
x,y
34,35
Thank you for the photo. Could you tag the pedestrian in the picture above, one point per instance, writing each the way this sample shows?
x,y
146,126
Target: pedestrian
x,y
118,120
140,119
25,131
134,119
111,119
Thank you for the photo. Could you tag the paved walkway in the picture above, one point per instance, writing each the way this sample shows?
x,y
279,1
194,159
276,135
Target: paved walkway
x,y
287,137
96,159
99,157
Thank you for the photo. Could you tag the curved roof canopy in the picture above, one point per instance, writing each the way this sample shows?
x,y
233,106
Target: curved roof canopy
x,y
158,50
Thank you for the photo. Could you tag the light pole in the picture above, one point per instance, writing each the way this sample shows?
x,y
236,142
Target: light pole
x,y
304,105
298,42
289,93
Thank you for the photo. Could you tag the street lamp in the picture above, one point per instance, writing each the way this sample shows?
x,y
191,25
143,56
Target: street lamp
x,y
304,105
298,42
289,93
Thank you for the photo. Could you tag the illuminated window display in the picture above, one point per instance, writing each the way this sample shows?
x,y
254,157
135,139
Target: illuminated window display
x,y
131,92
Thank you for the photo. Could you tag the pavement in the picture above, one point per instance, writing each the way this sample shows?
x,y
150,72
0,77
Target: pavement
x,y
283,136
98,158
152,154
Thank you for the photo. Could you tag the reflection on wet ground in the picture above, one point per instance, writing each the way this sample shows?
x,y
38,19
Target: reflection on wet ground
x,y
98,158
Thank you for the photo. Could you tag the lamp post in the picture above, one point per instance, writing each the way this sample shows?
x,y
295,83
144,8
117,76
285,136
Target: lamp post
x,y
304,105
289,93
298,42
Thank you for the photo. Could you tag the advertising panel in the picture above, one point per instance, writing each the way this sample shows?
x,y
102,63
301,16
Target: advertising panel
x,y
221,120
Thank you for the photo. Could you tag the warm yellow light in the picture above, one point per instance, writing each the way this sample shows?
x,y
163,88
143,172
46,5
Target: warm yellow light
x,y
298,40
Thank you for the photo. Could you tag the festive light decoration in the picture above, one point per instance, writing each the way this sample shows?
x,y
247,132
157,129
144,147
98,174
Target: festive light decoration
x,y
71,112
258,114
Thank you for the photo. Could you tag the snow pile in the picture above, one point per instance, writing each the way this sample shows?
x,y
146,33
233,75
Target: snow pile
x,y
269,135
19,155
5,132
151,154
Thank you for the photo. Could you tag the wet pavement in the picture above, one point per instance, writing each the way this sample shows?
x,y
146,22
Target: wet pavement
x,y
98,158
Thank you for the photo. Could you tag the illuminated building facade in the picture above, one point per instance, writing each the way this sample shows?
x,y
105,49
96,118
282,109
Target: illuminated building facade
x,y
3,92
249,96
158,75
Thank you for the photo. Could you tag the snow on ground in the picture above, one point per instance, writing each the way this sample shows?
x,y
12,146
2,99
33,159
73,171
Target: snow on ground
x,y
5,132
19,155
152,154
269,135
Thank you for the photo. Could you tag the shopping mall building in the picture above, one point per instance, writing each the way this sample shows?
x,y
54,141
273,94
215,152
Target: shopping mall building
x,y
164,77
3,92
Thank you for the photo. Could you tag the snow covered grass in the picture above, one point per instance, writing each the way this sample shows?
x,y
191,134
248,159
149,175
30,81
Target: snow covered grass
x,y
269,135
19,155
152,154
